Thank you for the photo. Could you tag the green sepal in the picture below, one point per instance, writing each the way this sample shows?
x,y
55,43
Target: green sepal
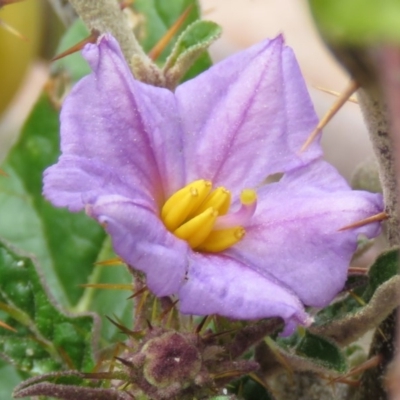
x,y
45,339
321,351
191,44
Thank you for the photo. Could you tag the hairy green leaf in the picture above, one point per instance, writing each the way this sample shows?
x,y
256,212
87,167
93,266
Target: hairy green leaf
x,y
191,44
384,267
46,339
66,244
157,17
321,351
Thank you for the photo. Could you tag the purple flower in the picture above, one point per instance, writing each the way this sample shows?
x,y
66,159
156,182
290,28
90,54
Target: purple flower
x,y
129,148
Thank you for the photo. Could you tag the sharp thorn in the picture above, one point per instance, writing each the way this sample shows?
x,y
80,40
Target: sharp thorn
x,y
77,47
110,262
374,218
337,94
357,270
6,326
156,51
125,362
337,105
169,309
138,293
371,363
200,326
118,286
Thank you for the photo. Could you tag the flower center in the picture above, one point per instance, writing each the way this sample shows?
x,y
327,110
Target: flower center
x,y
198,214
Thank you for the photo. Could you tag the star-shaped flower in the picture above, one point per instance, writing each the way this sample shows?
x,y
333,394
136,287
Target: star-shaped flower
x,y
178,181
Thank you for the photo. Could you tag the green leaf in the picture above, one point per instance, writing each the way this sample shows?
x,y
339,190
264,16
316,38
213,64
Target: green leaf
x,y
385,266
9,379
322,352
339,309
65,244
74,64
192,43
46,339
248,389
358,21
158,17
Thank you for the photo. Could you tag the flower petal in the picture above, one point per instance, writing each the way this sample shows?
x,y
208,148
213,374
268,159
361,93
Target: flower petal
x,y
141,240
247,117
120,124
217,284
295,235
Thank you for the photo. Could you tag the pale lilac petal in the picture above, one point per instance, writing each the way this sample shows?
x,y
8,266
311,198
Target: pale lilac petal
x,y
295,235
247,117
83,180
217,284
130,128
141,240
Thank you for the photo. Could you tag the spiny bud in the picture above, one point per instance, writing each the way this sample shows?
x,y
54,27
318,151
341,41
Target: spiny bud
x,y
170,359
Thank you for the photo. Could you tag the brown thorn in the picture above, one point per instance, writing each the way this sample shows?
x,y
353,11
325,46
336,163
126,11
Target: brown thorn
x,y
337,105
6,326
337,94
358,299
156,51
66,358
255,378
138,293
371,363
219,334
171,307
116,261
374,218
124,329
3,173
113,286
357,270
92,38
125,362
149,325
200,326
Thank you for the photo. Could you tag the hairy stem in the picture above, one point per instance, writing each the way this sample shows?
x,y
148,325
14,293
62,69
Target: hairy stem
x,y
367,66
106,16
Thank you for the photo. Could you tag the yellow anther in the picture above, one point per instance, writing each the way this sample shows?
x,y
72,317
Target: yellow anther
x,y
178,207
198,228
248,197
220,199
191,214
221,240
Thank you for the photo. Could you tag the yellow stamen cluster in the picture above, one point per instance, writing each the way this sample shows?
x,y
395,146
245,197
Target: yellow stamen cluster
x,y
191,212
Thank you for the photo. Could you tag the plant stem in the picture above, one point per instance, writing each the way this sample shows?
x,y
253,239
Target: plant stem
x,y
106,16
